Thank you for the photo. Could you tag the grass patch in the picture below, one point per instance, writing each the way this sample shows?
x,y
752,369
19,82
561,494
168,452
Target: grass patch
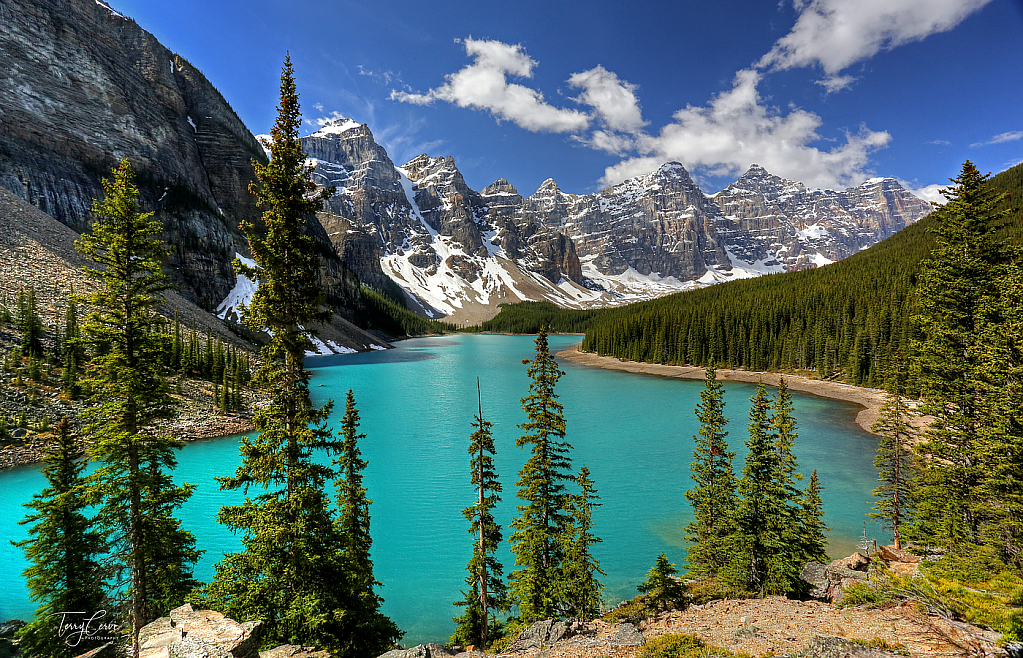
x,y
684,646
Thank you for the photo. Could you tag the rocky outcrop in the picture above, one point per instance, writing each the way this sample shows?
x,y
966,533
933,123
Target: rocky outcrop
x,y
188,633
82,87
830,581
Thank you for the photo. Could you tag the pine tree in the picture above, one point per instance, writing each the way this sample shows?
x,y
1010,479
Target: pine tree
x,y
294,553
29,323
812,542
136,496
62,548
582,591
894,459
954,283
1001,436
544,523
712,498
366,631
487,591
759,537
664,591
74,355
796,546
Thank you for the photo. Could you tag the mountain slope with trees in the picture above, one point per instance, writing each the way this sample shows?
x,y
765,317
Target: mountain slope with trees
x,y
849,319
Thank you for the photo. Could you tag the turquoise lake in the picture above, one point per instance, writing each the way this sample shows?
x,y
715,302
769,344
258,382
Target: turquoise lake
x,y
417,402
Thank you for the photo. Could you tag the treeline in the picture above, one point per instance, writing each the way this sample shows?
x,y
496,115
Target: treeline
x,y
386,315
58,355
850,319
846,320
529,317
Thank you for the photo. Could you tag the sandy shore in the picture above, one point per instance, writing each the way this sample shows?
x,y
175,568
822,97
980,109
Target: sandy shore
x,y
870,398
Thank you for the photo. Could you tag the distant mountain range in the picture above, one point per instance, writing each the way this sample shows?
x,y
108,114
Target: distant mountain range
x,y
457,252
85,86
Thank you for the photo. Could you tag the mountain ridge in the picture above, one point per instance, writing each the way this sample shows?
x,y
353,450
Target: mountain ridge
x,y
453,251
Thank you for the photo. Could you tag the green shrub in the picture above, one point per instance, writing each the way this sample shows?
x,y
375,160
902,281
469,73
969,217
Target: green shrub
x,y
683,646
882,644
632,612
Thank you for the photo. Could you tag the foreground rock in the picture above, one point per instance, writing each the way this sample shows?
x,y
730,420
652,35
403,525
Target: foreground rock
x,y
188,633
831,581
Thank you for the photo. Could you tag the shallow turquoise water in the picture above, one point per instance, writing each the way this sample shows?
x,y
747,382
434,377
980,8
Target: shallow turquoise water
x,y
417,402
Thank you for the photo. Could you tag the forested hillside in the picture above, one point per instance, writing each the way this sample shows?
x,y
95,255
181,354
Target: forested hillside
x,y
848,319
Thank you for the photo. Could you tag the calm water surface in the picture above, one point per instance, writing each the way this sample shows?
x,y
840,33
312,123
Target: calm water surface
x,y
417,402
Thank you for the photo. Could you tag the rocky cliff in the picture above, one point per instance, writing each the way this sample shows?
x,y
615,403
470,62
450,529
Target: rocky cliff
x,y
457,252
82,87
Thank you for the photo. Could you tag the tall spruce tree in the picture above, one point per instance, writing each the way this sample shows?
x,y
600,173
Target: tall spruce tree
x,y
63,550
894,461
758,541
582,590
487,590
132,487
544,524
812,542
712,497
1001,437
366,630
954,284
294,553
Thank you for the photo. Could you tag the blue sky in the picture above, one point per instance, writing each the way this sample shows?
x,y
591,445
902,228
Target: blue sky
x,y
828,92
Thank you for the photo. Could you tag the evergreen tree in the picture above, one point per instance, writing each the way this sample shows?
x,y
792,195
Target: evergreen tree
x,y
712,498
812,543
758,541
894,459
664,591
544,524
294,553
582,590
366,631
62,548
136,496
487,590
74,355
1001,436
954,284
30,324
797,546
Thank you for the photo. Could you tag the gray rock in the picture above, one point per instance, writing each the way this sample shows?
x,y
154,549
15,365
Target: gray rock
x,y
419,651
627,635
9,628
541,635
837,647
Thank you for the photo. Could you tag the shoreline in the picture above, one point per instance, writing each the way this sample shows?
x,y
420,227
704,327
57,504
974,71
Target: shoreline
x,y
870,398
212,427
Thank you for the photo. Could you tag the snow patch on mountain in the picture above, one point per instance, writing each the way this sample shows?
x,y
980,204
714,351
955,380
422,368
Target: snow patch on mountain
x,y
240,295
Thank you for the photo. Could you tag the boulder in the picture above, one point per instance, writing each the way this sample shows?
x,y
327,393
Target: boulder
x,y
856,562
293,651
419,651
108,650
837,647
892,554
541,635
627,635
187,633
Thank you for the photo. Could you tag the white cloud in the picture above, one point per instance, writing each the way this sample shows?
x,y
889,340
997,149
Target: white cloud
x,y
614,100
736,129
1001,139
931,193
484,85
835,83
837,33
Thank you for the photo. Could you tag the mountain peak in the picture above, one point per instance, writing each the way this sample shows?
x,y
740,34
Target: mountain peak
x,y
337,126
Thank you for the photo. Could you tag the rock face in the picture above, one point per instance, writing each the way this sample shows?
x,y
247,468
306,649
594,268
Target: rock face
x,y
421,227
82,87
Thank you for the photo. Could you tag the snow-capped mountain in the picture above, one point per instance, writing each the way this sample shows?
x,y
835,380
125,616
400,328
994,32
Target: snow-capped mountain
x,y
459,253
